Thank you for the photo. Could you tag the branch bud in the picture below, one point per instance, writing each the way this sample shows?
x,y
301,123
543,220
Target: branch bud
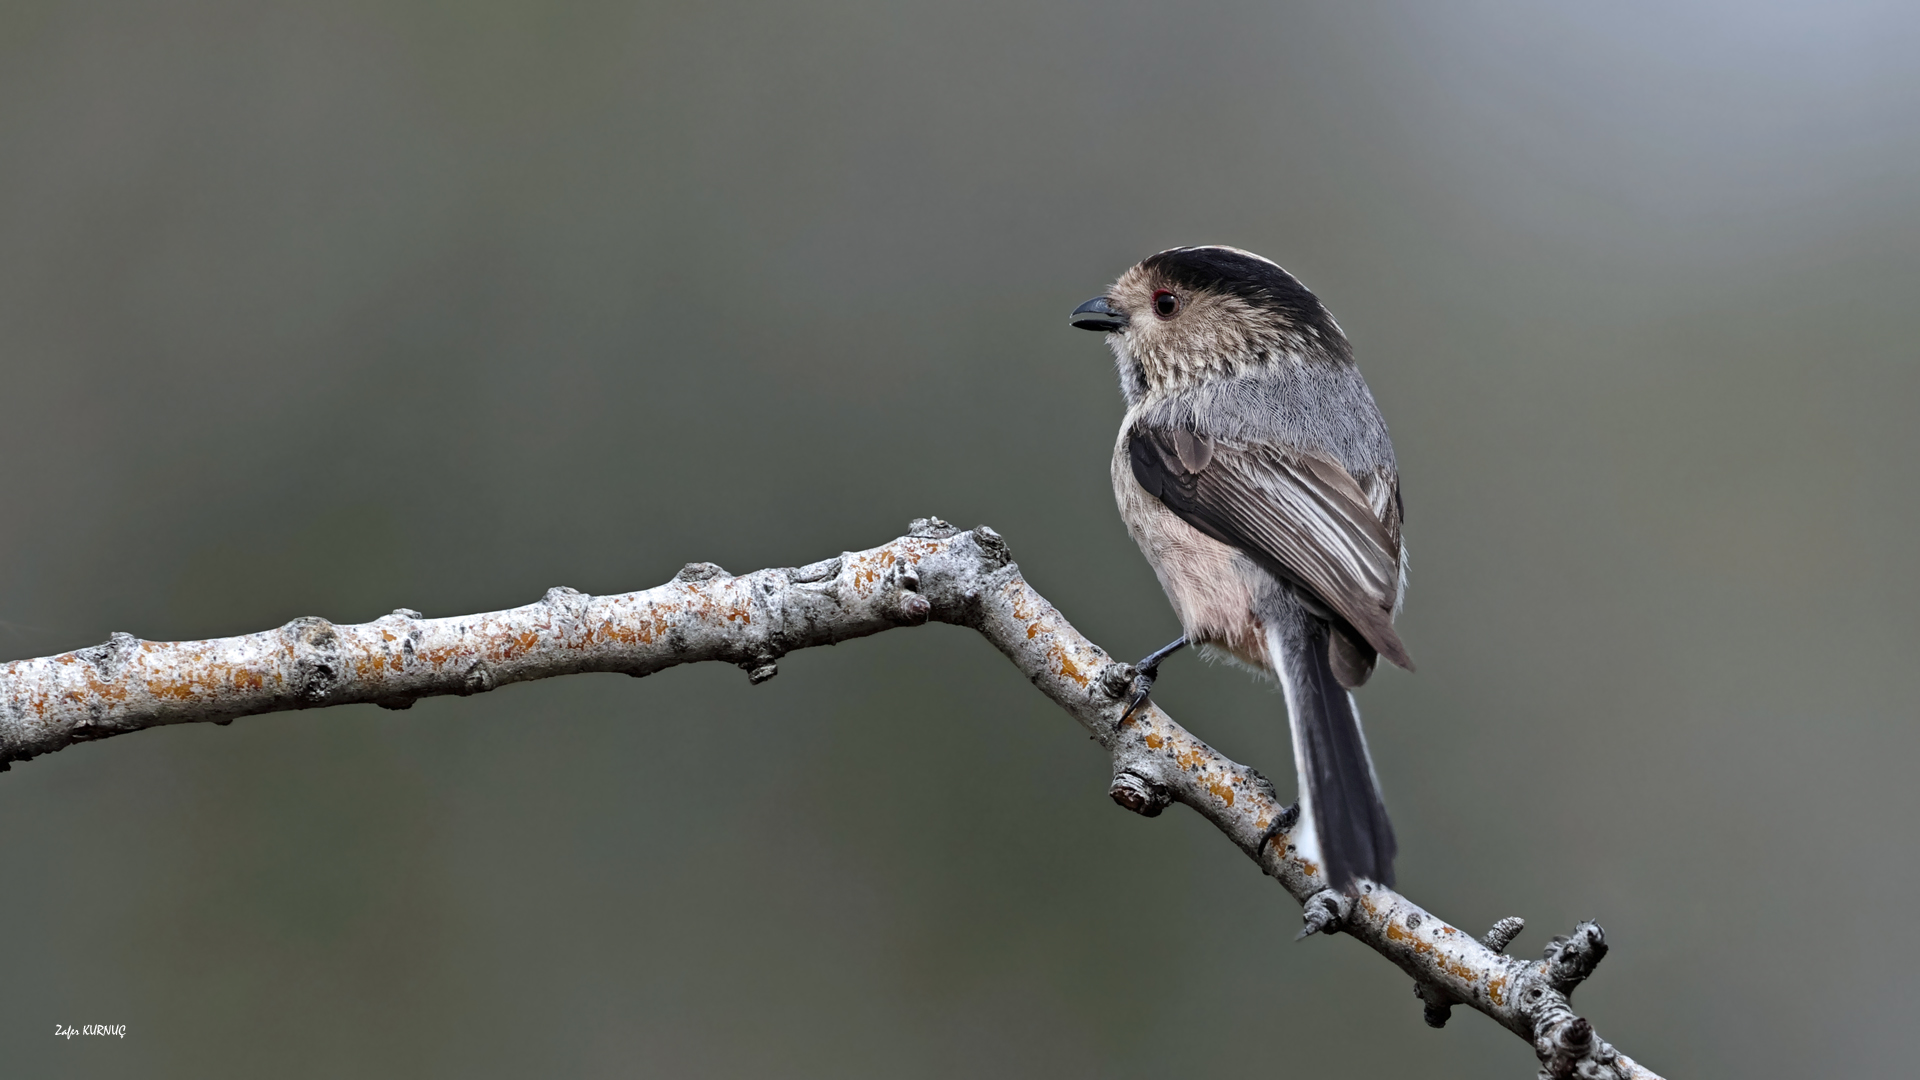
x,y
1439,1004
1504,932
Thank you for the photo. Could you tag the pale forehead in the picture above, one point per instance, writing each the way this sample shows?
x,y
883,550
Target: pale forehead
x,y
1136,277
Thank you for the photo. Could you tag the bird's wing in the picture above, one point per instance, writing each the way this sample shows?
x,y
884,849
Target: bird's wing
x,y
1300,514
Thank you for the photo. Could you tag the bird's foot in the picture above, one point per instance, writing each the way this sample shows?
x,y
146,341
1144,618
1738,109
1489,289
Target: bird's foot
x,y
1282,825
1147,672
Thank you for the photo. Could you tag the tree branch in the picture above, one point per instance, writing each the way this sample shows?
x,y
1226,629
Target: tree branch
x,y
934,572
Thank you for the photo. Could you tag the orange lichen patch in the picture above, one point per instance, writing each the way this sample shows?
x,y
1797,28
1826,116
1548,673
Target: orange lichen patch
x,y
1154,741
1221,791
637,629
368,659
913,551
1017,599
1036,619
1190,759
1397,931
1020,598
177,689
112,691
1068,669
1310,868
1496,990
868,568
708,606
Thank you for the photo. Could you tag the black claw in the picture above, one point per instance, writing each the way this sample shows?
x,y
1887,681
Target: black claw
x,y
1148,671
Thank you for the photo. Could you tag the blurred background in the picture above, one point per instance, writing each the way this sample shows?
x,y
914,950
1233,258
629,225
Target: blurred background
x,y
334,307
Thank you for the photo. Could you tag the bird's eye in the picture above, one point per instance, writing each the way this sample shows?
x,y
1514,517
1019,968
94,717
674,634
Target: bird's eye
x,y
1165,303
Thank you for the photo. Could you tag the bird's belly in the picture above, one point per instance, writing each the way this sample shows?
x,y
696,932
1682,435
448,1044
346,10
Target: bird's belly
x,y
1213,587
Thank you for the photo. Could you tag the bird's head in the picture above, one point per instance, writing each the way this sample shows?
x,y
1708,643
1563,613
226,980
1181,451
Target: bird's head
x,y
1190,315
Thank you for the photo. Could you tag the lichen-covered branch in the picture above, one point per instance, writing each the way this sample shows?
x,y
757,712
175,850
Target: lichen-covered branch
x,y
934,572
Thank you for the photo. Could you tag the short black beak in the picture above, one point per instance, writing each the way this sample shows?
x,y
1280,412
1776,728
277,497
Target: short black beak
x,y
1097,314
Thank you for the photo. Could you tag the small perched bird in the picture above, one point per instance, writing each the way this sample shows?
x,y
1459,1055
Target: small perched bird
x,y
1255,473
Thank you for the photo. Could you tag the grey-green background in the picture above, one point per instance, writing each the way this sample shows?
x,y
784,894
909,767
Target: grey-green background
x,y
334,307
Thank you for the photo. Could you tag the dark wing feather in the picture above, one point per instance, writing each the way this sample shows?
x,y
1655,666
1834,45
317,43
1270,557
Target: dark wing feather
x,y
1300,514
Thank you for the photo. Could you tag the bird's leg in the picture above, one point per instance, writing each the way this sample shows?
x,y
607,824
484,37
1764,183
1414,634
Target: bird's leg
x,y
1148,670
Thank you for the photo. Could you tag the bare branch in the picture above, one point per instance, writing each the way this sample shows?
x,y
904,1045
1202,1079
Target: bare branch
x,y
935,572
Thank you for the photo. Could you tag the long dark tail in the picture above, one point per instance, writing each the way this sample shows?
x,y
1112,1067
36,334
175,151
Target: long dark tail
x,y
1340,805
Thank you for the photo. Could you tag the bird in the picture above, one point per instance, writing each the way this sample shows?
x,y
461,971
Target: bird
x,y
1256,474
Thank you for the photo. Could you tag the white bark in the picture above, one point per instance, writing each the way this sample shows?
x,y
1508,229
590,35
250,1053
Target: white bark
x,y
935,572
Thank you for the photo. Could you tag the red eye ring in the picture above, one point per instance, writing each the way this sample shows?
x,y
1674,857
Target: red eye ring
x,y
1166,303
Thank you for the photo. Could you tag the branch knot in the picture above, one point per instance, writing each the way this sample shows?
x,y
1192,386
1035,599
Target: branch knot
x,y
316,658
1569,1050
1139,794
111,656
1569,960
1324,912
910,608
993,550
1117,680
